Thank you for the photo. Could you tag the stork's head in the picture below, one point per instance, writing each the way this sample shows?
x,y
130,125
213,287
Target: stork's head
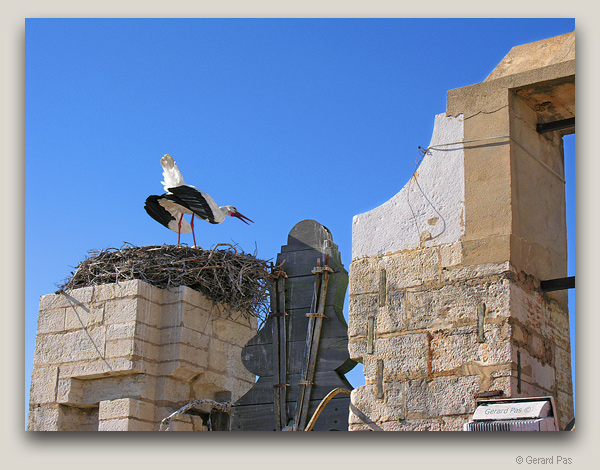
x,y
233,212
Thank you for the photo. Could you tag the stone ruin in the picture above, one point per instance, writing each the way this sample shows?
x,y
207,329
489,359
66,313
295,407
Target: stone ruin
x,y
450,282
123,357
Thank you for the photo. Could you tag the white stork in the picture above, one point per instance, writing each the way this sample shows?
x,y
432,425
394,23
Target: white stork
x,y
181,198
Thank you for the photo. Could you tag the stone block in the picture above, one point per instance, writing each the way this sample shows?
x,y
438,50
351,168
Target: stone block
x,y
502,380
171,390
126,290
98,367
72,418
472,272
180,370
196,357
357,349
237,385
43,417
536,373
528,389
565,408
361,307
198,317
143,332
219,355
124,424
123,310
564,376
78,345
452,348
452,305
83,316
528,309
120,348
196,339
139,386
172,295
363,276
403,269
441,396
232,332
558,325
126,408
431,424
403,356
392,318
51,321
450,255
69,391
43,385
364,409
150,313
67,298
412,268
121,331
453,423
181,425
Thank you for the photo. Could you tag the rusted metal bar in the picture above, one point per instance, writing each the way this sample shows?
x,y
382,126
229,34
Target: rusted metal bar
x,y
379,391
559,125
382,288
561,283
481,309
370,334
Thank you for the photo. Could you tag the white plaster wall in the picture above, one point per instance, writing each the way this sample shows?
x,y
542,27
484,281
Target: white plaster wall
x,y
429,210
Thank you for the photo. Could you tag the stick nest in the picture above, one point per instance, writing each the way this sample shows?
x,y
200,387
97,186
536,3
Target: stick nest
x,y
225,276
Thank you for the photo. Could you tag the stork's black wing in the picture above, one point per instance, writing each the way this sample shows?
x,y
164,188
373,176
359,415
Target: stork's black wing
x,y
196,201
158,212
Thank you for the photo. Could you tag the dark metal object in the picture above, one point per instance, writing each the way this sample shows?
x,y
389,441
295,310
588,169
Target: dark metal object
x,y
489,394
518,372
313,335
279,347
560,283
255,410
555,125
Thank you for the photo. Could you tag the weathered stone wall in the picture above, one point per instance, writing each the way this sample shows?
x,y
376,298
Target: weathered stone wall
x,y
124,356
445,298
428,358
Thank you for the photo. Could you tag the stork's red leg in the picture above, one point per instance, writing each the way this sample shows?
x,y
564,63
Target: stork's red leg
x,y
179,230
193,234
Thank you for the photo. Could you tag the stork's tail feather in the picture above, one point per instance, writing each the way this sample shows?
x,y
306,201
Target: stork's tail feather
x,y
171,174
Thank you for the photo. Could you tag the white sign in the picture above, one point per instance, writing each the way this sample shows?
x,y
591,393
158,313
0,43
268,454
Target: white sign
x,y
515,410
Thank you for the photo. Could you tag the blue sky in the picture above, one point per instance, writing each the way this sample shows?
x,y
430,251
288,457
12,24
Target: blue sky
x,y
286,119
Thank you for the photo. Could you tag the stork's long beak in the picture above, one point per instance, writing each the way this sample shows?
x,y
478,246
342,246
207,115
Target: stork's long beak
x,y
243,218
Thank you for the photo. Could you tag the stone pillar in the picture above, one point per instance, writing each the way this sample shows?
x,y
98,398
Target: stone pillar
x,y
445,297
124,356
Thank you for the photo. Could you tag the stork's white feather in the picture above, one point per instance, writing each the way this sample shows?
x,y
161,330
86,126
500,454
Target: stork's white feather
x,y
171,175
175,211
